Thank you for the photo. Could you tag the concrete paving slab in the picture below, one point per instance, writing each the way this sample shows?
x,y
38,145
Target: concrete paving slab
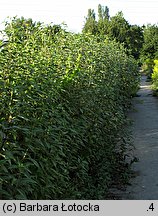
x,y
145,133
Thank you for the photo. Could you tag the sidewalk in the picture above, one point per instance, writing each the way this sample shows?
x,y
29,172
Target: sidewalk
x,y
145,132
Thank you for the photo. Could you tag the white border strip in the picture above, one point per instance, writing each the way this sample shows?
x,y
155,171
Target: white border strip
x,y
79,207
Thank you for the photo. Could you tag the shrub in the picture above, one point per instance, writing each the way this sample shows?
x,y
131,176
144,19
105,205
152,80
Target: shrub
x,y
148,67
155,76
63,103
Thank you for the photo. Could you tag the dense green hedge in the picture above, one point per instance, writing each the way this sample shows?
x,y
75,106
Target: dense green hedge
x,y
63,102
155,77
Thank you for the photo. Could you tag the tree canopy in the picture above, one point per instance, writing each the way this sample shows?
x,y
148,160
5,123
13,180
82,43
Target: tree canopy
x,y
150,45
116,28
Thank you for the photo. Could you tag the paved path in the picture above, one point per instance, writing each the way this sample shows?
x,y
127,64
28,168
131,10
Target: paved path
x,y
145,131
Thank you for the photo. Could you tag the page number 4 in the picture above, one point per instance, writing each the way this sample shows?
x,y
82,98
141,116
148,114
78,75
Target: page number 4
x,y
151,207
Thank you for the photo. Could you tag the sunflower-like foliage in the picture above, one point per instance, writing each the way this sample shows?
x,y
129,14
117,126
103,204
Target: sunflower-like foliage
x,y
63,100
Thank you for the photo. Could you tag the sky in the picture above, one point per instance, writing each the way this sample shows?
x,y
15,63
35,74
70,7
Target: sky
x,y
73,12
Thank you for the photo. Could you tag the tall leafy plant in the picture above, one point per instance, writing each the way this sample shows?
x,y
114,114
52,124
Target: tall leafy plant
x,y
63,103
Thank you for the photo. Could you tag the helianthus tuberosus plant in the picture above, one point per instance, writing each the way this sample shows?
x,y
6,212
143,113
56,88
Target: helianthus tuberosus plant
x,y
155,76
63,99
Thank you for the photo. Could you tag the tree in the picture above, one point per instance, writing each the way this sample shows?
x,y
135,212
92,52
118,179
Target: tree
x,y
90,24
135,40
103,20
100,12
116,28
119,28
150,46
106,13
131,36
103,13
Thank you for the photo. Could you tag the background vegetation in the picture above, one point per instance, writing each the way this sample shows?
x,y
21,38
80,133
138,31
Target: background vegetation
x,y
115,28
140,42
